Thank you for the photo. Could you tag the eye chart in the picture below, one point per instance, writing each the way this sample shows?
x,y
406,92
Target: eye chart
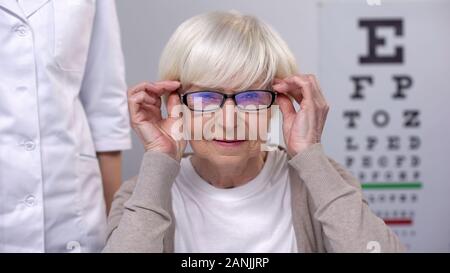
x,y
385,70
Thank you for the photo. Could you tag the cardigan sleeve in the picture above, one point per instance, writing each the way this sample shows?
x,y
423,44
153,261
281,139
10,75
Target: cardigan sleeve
x,y
140,214
347,222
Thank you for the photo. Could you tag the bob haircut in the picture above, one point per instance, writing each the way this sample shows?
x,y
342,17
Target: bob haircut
x,y
226,49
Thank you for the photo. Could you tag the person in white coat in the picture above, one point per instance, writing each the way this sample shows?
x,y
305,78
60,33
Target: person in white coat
x,y
63,123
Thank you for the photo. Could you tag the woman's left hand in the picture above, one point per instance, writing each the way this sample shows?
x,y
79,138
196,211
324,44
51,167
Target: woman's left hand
x,y
303,128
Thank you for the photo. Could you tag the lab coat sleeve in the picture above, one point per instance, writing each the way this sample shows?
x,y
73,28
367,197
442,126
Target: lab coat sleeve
x,y
103,92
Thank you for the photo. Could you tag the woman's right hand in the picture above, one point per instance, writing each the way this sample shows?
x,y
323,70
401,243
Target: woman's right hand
x,y
144,102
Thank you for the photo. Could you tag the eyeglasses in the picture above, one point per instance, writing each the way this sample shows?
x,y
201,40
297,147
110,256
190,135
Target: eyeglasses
x,y
247,101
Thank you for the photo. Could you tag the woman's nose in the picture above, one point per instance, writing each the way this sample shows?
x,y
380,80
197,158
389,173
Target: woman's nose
x,y
229,114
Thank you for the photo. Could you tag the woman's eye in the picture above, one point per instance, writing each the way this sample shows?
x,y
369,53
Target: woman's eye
x,y
208,97
205,97
250,96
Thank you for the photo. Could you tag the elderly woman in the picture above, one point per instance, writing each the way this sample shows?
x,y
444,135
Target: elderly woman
x,y
231,194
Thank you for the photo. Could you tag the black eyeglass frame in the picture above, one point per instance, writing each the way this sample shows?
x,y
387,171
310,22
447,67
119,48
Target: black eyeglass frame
x,y
183,99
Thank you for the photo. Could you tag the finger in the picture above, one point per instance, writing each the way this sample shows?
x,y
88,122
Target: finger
x,y
172,84
281,86
148,106
137,88
304,86
320,98
158,88
152,99
142,97
154,111
172,101
133,107
286,88
163,87
286,105
149,112
136,100
277,81
317,90
133,103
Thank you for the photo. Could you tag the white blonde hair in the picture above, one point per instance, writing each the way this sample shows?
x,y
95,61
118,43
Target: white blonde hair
x,y
226,49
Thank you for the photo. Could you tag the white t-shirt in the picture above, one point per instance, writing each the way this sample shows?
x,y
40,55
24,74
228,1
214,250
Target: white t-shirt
x,y
254,217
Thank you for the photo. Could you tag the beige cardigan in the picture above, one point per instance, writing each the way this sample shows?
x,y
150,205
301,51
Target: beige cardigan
x,y
328,209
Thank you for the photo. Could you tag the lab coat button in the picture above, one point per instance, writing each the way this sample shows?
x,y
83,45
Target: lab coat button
x,y
74,247
29,145
21,30
30,200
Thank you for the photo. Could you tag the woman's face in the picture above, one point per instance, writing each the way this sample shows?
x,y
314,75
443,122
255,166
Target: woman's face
x,y
229,135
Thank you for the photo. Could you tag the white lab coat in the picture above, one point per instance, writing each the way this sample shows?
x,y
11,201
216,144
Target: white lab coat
x,y
62,99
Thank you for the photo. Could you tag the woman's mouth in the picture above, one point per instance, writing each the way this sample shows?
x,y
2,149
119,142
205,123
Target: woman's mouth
x,y
228,143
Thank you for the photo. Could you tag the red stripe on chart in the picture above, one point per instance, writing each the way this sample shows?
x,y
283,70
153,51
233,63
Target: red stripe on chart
x,y
398,221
